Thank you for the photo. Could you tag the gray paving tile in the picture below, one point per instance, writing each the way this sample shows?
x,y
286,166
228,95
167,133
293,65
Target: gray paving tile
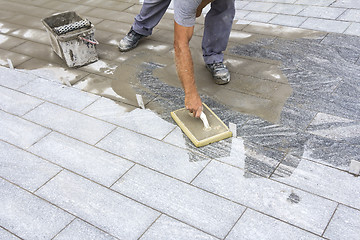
x,y
20,132
7,235
347,4
328,182
146,122
103,208
288,20
28,216
17,103
70,123
354,29
352,15
15,58
258,6
23,168
335,128
13,78
254,225
344,225
154,154
7,42
275,199
80,230
322,12
198,208
289,9
316,3
165,227
325,25
259,16
60,94
86,160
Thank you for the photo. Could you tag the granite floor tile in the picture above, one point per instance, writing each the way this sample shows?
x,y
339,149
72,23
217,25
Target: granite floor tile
x,y
288,20
24,169
25,20
346,4
322,12
58,93
146,122
53,72
335,128
154,154
71,123
6,27
344,225
34,35
112,14
318,179
258,6
165,227
317,3
198,208
103,208
88,161
7,235
7,42
350,15
259,16
26,9
28,216
113,27
333,39
80,230
108,110
113,5
15,58
296,117
13,78
289,9
62,6
20,132
17,103
254,225
325,25
353,29
278,200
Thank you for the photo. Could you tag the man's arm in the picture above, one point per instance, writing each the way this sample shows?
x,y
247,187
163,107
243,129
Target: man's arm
x,y
185,68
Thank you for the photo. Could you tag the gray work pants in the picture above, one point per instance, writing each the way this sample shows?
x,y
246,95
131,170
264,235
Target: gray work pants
x,y
218,23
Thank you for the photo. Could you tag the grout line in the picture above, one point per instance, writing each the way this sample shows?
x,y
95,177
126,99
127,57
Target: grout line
x,y
122,176
235,223
168,134
63,228
48,180
10,232
278,164
200,172
330,220
149,226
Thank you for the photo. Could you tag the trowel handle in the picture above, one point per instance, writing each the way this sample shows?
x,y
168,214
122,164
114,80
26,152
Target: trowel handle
x,y
204,120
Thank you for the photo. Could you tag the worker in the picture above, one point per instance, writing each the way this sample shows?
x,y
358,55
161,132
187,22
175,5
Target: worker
x,y
218,23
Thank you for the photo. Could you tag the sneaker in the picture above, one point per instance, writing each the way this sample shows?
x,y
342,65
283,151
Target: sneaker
x,y
130,41
219,72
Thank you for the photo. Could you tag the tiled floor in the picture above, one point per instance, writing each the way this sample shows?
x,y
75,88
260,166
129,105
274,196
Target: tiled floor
x,y
80,160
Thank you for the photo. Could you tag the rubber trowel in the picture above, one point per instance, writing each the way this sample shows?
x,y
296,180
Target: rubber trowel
x,y
208,129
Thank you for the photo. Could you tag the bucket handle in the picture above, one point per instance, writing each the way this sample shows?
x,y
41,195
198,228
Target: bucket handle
x,y
89,41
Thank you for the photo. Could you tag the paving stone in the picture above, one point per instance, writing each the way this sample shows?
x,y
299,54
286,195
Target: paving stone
x,y
24,169
88,161
317,3
15,58
26,9
37,36
350,15
254,225
58,93
71,123
103,208
288,20
8,42
289,9
53,72
165,227
258,6
328,182
113,5
7,235
15,102
336,128
291,205
259,16
322,12
28,216
14,78
325,25
347,4
20,132
25,20
62,6
344,225
6,27
80,230
353,29
191,205
154,154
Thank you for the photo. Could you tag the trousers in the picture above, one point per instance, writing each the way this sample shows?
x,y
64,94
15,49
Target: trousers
x,y
217,28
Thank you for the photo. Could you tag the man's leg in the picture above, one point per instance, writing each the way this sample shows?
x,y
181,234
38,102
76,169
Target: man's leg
x,y
218,23
150,15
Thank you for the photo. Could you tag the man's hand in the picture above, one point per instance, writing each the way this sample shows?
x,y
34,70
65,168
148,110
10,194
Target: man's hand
x,y
185,68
